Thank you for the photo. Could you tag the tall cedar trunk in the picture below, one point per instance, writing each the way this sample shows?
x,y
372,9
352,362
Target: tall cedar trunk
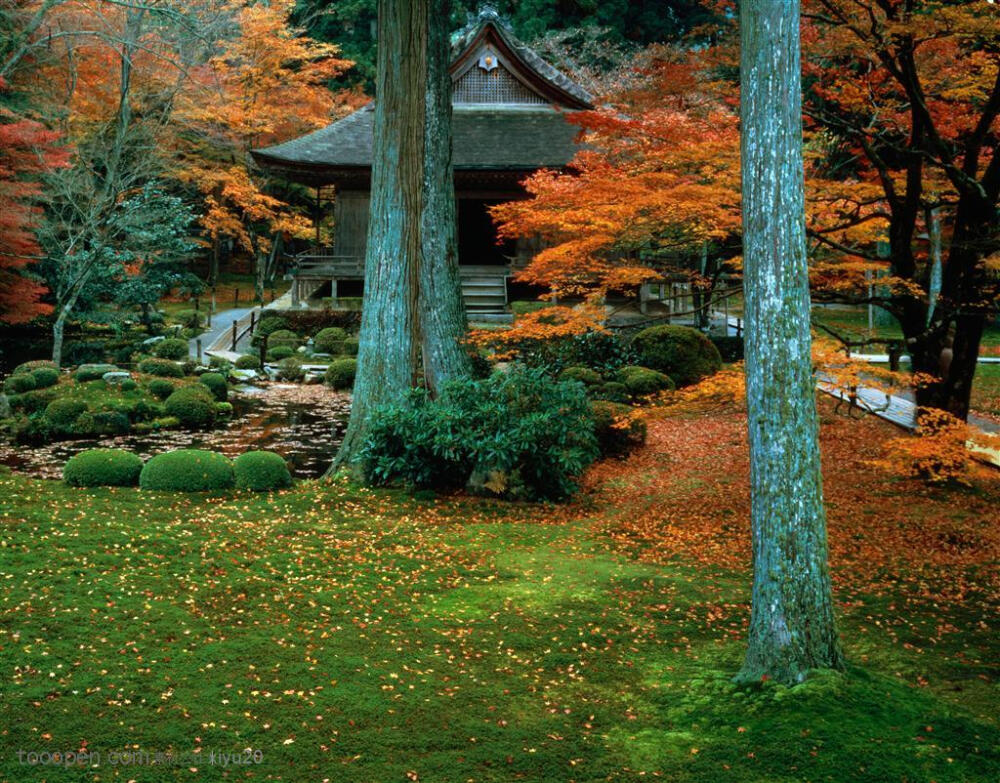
x,y
792,626
442,311
389,338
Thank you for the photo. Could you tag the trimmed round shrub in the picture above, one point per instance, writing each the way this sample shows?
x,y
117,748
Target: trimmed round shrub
x,y
617,433
187,470
642,381
45,377
61,414
35,364
340,373
279,353
108,423
103,468
248,361
290,369
224,409
162,367
32,401
171,348
215,383
270,324
19,384
160,388
351,346
585,375
283,337
330,340
221,364
193,406
612,392
683,353
94,372
261,471
129,385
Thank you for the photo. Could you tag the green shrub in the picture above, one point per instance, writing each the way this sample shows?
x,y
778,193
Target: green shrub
x,y
611,392
683,353
340,373
94,372
171,348
160,388
330,340
162,367
261,471
193,406
279,353
290,369
129,385
585,375
187,470
351,346
216,384
221,364
103,468
32,401
612,440
604,352
525,306
189,319
283,337
269,325
517,434
730,348
61,414
224,409
45,377
19,384
35,364
104,423
248,361
642,381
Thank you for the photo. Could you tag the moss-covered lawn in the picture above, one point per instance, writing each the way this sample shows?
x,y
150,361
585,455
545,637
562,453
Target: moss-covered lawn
x,y
352,635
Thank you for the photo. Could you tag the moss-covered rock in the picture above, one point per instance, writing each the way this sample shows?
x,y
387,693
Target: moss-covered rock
x,y
585,375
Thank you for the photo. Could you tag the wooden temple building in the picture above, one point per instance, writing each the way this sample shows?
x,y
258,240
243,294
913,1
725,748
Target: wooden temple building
x,y
508,120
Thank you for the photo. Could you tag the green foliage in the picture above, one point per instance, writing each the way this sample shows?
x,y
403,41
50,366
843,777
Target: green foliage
x,y
617,432
193,406
340,373
283,337
290,369
642,381
216,383
188,470
261,471
330,340
103,468
683,353
270,324
224,409
129,385
32,401
603,352
526,306
351,345
279,353
516,434
61,414
19,384
584,375
35,364
94,372
171,348
160,388
611,392
162,367
45,377
189,319
248,361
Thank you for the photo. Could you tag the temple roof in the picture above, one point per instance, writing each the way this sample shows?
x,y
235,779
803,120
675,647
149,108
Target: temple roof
x,y
509,114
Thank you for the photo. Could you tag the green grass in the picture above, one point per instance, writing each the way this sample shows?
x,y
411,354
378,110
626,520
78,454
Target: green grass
x,y
986,389
360,636
853,323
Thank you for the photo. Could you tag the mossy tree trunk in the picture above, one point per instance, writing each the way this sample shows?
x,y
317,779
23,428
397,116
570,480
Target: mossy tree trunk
x,y
412,301
792,624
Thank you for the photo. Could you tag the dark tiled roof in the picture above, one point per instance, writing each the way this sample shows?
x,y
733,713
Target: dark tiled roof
x,y
484,137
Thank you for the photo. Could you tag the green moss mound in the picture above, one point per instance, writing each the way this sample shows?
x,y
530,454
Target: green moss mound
x,y
103,468
193,406
261,471
160,388
283,337
290,369
45,377
171,348
617,433
269,325
94,372
351,346
35,364
585,375
62,414
248,361
611,392
330,340
19,384
685,354
215,383
340,374
161,367
643,382
279,353
188,470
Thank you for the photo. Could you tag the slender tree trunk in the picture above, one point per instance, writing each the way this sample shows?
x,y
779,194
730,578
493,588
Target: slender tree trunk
x,y
390,335
934,278
442,310
791,624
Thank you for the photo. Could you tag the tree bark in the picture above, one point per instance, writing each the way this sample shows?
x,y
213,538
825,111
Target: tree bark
x,y
792,626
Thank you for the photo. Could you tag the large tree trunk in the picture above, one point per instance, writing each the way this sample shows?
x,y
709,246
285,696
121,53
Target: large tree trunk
x,y
442,310
389,339
791,624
